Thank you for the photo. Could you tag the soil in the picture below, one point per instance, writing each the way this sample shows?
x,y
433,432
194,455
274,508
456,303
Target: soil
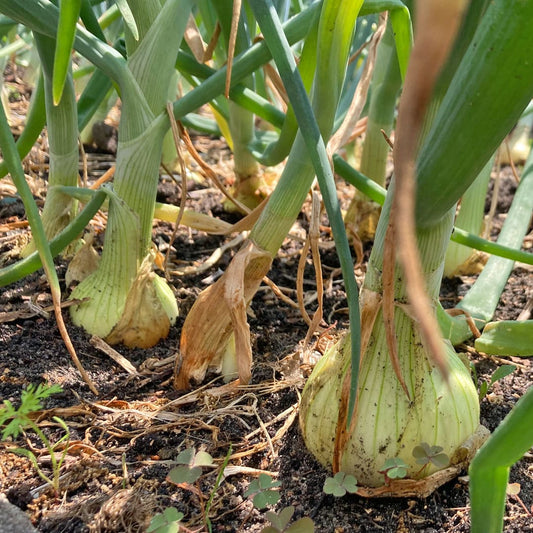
x,y
124,442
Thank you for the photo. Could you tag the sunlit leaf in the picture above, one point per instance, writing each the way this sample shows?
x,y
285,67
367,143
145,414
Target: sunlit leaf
x,y
69,12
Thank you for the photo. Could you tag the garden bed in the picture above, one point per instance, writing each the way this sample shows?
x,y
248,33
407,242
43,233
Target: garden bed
x,y
124,442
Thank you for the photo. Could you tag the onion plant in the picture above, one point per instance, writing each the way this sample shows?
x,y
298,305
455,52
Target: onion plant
x,y
469,218
378,419
126,298
386,83
62,129
240,120
123,289
212,340
393,404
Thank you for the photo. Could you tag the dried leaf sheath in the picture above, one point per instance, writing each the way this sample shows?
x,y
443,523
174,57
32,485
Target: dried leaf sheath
x,y
205,335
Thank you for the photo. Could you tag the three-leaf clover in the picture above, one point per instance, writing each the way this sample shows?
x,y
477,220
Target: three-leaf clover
x,y
190,468
166,522
394,468
425,454
340,484
261,490
280,522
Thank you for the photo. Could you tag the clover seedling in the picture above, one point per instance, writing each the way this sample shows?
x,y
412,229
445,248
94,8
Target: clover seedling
x,y
426,454
394,468
190,466
166,522
499,373
340,484
261,490
280,522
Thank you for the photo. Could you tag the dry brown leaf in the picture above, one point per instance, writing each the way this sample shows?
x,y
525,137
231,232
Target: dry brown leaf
x,y
237,302
349,125
231,44
215,315
84,263
144,320
194,39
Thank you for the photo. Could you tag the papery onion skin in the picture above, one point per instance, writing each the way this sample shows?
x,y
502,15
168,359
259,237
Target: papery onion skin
x,y
388,425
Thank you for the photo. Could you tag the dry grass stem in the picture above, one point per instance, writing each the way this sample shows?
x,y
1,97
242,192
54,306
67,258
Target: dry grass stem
x,y
102,346
313,238
210,173
208,54
274,81
56,297
176,135
104,178
487,227
231,44
212,260
511,162
85,171
469,320
279,293
349,124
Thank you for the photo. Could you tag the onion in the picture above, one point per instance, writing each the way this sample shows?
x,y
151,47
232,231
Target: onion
x,y
388,424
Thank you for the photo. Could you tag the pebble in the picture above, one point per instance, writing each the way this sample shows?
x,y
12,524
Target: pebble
x,y
12,519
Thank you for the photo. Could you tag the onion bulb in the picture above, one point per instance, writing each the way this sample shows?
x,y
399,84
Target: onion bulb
x,y
388,424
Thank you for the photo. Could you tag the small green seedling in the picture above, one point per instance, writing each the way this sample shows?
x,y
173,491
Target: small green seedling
x,y
31,400
166,522
190,466
426,454
394,468
262,491
279,522
340,484
499,373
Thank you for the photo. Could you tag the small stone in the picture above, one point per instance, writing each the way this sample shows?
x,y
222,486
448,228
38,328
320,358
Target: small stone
x,y
12,519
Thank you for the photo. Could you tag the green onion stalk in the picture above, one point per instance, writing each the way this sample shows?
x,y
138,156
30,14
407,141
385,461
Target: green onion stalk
x,y
481,300
35,120
489,471
125,298
462,260
276,151
248,176
98,95
215,332
86,135
128,302
386,83
392,419
62,129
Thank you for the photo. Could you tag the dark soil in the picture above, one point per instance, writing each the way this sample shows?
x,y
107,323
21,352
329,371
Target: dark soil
x,y
124,442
